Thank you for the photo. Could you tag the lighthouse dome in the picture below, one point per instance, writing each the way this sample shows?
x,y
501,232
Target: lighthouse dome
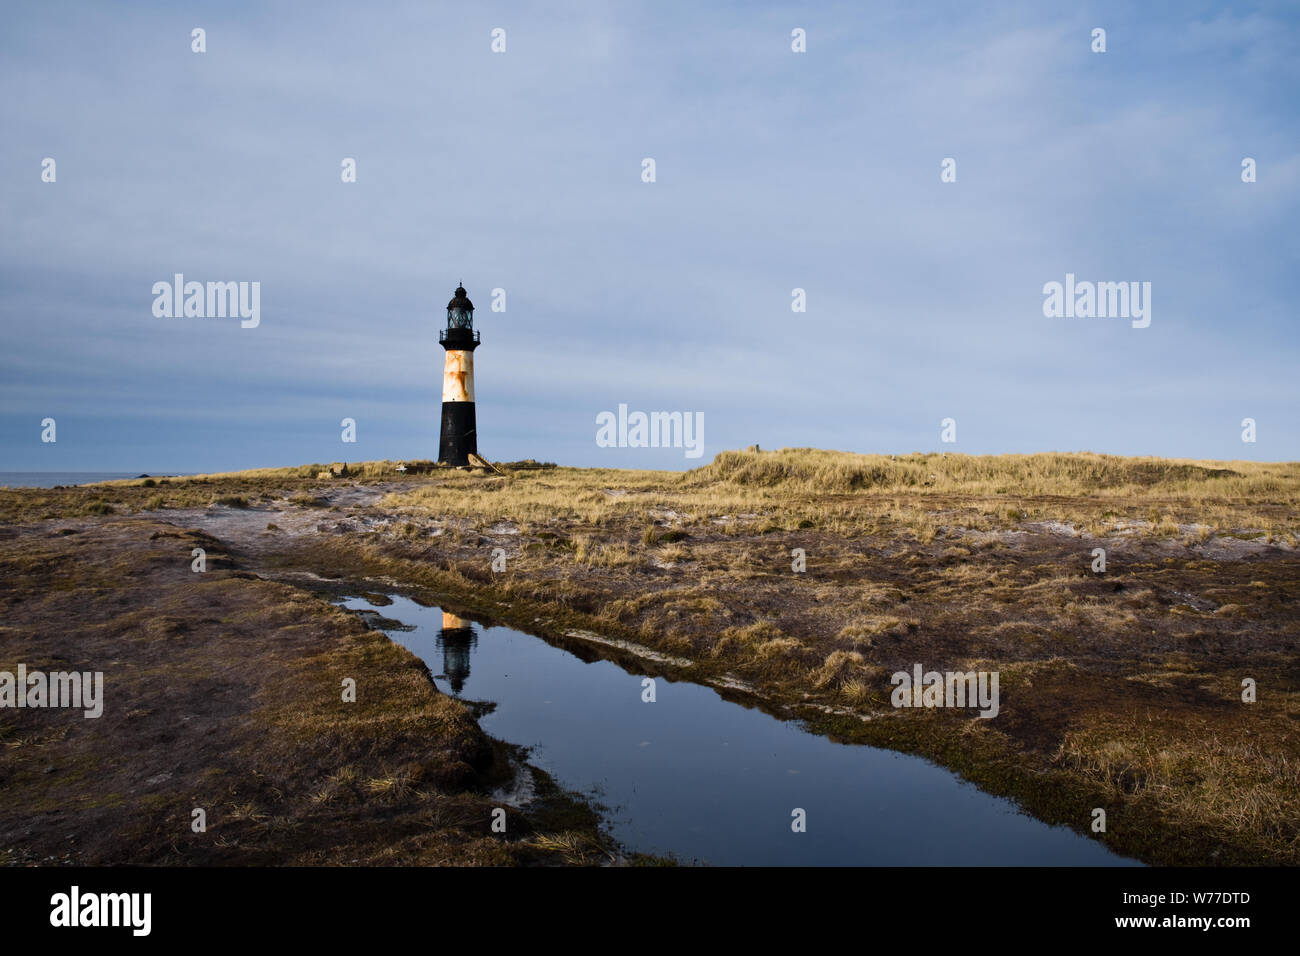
x,y
460,310
460,300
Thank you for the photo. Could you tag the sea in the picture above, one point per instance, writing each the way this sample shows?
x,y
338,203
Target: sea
x,y
48,479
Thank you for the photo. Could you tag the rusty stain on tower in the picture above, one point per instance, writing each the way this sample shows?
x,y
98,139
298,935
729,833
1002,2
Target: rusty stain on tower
x,y
458,377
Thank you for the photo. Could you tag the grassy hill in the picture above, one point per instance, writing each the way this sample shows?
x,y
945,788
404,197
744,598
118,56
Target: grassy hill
x,y
1121,687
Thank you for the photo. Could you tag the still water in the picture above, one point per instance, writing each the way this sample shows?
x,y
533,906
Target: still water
x,y
715,782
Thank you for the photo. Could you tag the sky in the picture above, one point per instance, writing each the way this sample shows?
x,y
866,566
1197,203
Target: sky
x,y
522,170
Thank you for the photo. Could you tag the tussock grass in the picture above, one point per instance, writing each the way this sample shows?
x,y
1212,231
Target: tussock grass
x,y
1234,785
745,492
1054,473
923,495
839,668
977,562
364,469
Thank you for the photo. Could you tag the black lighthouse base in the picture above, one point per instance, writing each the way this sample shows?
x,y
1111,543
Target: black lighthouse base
x,y
459,433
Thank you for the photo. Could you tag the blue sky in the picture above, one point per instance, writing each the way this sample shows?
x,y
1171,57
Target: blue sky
x,y
522,170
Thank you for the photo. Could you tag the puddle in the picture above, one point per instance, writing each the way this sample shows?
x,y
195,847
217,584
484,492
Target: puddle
x,y
711,781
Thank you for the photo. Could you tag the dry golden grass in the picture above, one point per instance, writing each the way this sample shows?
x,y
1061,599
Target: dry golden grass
x,y
399,776
1233,785
746,492
921,495
1053,473
985,565
970,561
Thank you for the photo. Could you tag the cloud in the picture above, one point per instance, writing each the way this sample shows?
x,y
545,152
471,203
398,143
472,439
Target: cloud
x,y
522,171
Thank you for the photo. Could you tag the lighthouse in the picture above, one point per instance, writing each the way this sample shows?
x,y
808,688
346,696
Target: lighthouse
x,y
459,437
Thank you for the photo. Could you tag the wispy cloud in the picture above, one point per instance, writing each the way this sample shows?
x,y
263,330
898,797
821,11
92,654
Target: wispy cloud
x,y
522,170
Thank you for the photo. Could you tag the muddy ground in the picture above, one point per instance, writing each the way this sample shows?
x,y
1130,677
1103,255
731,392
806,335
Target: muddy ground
x,y
1121,689
223,693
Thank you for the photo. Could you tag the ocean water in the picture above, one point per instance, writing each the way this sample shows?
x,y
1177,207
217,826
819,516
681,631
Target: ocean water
x,y
48,479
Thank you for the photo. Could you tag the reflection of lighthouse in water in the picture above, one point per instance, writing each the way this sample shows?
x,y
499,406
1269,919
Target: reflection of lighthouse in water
x,y
456,640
